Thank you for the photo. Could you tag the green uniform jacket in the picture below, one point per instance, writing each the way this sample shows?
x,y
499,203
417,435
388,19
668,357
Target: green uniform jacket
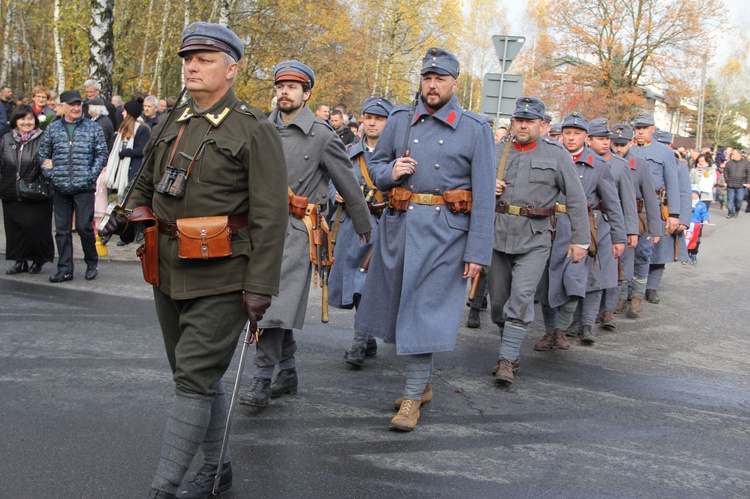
x,y
240,168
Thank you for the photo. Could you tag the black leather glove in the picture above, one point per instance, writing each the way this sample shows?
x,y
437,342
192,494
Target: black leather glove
x,y
255,305
118,223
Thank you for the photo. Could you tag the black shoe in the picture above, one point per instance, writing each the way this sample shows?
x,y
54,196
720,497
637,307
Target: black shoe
x,y
372,348
91,272
202,486
121,243
259,393
18,267
587,335
355,356
36,267
61,277
285,383
473,320
159,494
652,297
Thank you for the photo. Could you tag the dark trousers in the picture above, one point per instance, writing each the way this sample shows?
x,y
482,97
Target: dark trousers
x,y
200,337
82,204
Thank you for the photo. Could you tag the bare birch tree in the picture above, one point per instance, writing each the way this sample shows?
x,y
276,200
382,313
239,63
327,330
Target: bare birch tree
x,y
102,47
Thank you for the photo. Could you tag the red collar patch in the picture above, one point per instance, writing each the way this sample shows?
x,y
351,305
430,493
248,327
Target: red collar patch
x,y
632,163
451,117
524,147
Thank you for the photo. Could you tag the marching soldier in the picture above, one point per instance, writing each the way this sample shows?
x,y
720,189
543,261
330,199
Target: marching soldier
x,y
565,284
600,141
314,155
686,204
533,173
437,161
349,268
234,175
651,259
649,216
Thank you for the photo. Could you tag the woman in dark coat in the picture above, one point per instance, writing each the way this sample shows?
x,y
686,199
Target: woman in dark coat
x,y
28,225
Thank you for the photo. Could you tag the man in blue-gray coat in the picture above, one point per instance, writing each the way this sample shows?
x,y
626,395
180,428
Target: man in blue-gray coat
x,y
533,172
72,154
437,231
350,256
650,259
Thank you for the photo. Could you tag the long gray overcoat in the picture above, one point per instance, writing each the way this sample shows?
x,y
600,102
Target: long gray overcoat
x,y
314,154
414,293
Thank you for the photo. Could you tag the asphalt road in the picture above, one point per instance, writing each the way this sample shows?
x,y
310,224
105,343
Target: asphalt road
x,y
660,408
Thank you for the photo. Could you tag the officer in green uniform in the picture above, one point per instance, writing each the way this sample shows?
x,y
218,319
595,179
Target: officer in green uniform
x,y
237,169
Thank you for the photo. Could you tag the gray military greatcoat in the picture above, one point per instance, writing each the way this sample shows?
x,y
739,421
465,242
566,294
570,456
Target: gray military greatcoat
x,y
414,293
314,154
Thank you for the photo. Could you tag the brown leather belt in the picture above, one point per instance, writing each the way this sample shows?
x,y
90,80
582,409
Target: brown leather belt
x,y
639,205
236,222
523,211
427,199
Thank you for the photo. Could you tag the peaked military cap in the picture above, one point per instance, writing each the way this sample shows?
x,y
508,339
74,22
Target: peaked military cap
x,y
599,128
529,108
293,70
576,120
643,120
555,129
201,35
622,133
378,106
439,61
663,136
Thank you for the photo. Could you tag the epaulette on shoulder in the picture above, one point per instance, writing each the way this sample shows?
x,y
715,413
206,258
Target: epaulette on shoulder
x,y
243,107
318,121
554,143
482,119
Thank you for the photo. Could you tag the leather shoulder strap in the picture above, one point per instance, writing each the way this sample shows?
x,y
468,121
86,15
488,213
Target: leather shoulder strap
x,y
366,175
503,161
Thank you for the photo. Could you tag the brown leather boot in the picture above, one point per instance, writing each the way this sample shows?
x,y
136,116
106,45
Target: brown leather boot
x,y
608,320
559,340
504,371
622,306
516,366
635,309
426,397
407,417
545,344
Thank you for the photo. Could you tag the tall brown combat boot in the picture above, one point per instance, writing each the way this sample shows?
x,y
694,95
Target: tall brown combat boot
x,y
635,309
407,417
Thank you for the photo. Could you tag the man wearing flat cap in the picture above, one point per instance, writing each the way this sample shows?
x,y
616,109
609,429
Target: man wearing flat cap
x,y
649,216
667,186
232,161
533,174
563,285
437,161
601,296
314,155
347,277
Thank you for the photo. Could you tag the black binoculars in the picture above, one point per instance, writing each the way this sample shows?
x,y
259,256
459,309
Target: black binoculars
x,y
173,182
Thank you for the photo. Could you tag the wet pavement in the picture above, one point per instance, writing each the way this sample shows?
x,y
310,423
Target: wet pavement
x,y
659,408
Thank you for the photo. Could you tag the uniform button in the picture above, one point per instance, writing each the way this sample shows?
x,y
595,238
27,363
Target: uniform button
x,y
411,187
411,207
312,134
300,181
416,141
580,176
437,166
422,120
440,142
437,190
307,157
437,208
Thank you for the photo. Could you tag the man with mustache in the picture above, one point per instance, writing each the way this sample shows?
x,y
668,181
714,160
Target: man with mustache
x,y
314,154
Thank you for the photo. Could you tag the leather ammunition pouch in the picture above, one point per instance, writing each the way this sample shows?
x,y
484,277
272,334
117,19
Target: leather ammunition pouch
x,y
594,231
458,200
377,208
148,252
297,204
642,224
398,198
204,237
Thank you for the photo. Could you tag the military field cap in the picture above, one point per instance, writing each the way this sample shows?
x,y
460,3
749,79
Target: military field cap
x,y
292,70
622,133
201,35
576,120
643,119
439,61
547,117
378,106
70,97
555,129
599,128
663,136
529,108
